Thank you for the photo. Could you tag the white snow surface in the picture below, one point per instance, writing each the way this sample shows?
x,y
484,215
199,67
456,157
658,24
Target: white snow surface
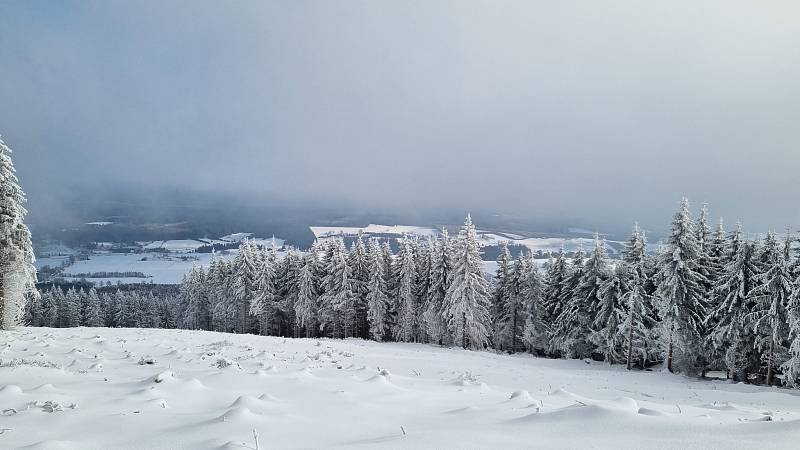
x,y
160,269
97,388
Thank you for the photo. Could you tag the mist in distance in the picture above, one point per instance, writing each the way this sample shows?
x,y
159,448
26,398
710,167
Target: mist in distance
x,y
589,113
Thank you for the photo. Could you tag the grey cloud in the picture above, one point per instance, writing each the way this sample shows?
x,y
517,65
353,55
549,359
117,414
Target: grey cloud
x,y
605,110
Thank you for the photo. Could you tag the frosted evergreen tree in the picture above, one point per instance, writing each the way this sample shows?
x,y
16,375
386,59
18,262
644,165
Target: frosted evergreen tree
x,y
791,368
572,327
770,318
289,289
49,308
193,295
467,303
246,268
634,250
264,291
377,294
730,334
406,306
17,273
307,305
514,307
92,314
641,275
338,298
111,310
440,273
536,331
638,340
33,309
503,287
718,254
359,266
681,294
709,268
71,315
422,251
556,278
611,314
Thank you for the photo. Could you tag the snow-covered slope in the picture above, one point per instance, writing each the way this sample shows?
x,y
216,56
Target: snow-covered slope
x,y
171,389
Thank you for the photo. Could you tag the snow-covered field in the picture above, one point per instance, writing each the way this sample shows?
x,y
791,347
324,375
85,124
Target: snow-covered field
x,y
394,230
160,269
99,388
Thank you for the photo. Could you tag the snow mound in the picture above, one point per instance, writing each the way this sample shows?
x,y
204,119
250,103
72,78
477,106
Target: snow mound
x,y
10,390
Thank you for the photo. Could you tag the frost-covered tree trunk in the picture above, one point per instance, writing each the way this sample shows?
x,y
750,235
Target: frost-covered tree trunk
x,y
467,303
17,273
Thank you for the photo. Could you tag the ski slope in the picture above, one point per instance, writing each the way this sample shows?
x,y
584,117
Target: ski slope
x,y
99,388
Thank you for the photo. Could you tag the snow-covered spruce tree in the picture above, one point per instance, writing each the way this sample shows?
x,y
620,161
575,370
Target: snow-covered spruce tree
x,y
307,305
709,268
730,334
246,267
33,310
49,308
638,338
71,315
791,368
718,256
406,300
572,327
390,270
680,295
466,305
641,273
263,295
440,273
92,314
110,311
536,332
770,318
503,288
377,294
17,273
359,265
556,276
337,299
193,297
423,251
286,288
611,315
514,307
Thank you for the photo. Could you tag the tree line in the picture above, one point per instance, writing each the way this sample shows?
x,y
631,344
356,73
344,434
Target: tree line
x,y
706,300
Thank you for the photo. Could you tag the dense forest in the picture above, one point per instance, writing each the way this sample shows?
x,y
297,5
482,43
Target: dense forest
x,y
707,300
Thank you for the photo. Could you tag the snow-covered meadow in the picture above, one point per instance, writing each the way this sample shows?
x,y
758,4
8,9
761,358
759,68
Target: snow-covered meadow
x,y
98,388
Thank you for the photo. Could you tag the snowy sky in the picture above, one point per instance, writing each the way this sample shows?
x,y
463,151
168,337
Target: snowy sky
x,y
609,109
